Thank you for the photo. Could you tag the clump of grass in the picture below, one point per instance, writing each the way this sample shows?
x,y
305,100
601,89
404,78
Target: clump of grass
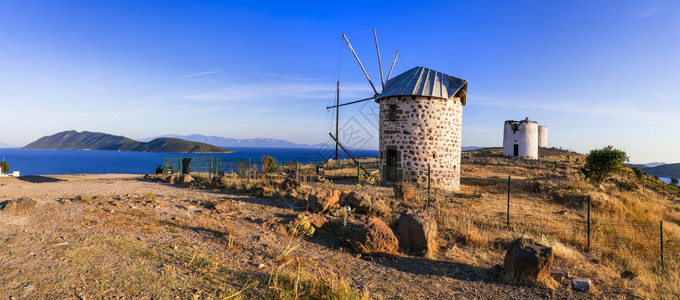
x,y
300,284
149,196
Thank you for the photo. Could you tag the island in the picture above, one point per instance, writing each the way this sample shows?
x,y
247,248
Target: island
x,y
74,140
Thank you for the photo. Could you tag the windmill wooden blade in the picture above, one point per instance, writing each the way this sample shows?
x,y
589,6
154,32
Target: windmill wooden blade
x,y
348,103
375,36
359,61
392,67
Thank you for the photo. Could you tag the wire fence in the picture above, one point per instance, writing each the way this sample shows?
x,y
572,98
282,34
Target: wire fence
x,y
583,229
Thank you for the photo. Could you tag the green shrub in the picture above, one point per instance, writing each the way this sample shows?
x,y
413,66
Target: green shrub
x,y
638,172
269,164
674,181
602,163
4,166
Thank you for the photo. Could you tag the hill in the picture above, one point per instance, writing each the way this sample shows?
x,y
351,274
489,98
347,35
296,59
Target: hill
x,y
230,142
668,170
73,140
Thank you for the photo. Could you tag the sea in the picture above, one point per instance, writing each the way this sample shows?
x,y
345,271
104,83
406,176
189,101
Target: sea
x,y
53,162
666,180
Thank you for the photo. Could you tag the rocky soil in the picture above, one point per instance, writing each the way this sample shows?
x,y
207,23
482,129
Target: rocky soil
x,y
122,236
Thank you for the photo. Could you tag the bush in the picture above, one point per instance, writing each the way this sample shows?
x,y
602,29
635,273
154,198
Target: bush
x,y
674,181
4,166
602,163
269,164
638,172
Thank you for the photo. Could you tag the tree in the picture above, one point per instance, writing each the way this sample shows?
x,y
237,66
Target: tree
x,y
4,167
674,181
269,164
602,163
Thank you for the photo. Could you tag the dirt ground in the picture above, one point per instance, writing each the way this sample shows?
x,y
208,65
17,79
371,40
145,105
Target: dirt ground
x,y
121,236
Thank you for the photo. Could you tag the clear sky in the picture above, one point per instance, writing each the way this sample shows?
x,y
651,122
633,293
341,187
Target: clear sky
x,y
596,73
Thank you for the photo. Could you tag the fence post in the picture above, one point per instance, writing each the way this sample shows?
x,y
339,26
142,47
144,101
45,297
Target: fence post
x,y
297,171
508,211
588,247
358,172
661,238
248,172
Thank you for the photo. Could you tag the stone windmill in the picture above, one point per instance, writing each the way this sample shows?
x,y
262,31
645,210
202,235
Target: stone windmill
x,y
420,124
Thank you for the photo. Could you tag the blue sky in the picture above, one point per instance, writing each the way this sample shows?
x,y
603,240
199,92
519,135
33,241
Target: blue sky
x,y
595,72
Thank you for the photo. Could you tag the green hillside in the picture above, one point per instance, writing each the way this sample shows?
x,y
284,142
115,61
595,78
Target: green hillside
x,y
73,140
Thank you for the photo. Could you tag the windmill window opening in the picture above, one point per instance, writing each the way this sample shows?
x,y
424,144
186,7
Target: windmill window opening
x,y
392,113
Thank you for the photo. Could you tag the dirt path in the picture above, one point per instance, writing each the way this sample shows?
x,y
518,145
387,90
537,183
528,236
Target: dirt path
x,y
109,236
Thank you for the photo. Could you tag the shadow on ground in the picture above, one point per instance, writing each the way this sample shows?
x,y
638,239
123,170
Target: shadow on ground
x,y
38,179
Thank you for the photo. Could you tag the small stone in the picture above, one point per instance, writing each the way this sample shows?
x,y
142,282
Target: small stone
x,y
29,288
559,275
261,266
581,284
628,274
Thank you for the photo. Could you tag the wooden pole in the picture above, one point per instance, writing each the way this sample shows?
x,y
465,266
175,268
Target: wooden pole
x,y
337,116
661,238
375,36
350,155
360,64
588,247
392,67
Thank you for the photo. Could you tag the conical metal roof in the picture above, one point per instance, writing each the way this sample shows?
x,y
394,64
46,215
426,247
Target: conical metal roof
x,y
421,81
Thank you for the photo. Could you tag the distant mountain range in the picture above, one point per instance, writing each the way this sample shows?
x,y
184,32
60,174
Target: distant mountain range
x,y
3,145
229,142
73,140
664,170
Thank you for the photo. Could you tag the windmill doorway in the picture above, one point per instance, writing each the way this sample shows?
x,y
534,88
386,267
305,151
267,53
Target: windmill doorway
x,y
516,150
392,169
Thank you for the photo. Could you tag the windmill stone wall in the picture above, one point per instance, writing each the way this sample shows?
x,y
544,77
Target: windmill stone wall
x,y
424,131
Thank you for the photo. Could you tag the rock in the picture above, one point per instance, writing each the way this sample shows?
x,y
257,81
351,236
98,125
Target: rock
x,y
218,181
559,275
170,179
323,200
363,203
83,199
289,184
185,178
417,232
527,261
496,271
628,274
406,192
18,206
581,284
375,237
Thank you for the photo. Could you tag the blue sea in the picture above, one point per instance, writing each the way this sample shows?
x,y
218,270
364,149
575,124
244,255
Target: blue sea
x,y
51,162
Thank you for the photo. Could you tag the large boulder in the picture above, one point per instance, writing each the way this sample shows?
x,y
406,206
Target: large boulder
x,y
417,233
18,206
405,192
375,237
527,261
185,178
289,184
323,200
365,204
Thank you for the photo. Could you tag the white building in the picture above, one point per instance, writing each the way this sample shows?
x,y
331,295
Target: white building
x,y
421,113
520,139
543,136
